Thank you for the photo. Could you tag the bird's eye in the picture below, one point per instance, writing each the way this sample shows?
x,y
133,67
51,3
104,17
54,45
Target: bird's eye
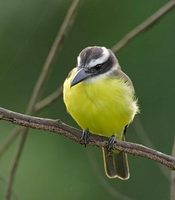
x,y
98,67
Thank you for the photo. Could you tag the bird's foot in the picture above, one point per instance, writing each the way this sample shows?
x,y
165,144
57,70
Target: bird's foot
x,y
84,137
111,143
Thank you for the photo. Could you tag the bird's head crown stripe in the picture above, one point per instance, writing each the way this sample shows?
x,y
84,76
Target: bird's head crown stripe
x,y
93,56
103,58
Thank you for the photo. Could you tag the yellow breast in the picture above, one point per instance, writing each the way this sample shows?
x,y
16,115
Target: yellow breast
x,y
104,106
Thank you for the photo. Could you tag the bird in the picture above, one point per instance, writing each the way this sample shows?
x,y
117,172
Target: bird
x,y
100,97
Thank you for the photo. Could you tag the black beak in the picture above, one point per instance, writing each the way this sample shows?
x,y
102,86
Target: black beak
x,y
79,76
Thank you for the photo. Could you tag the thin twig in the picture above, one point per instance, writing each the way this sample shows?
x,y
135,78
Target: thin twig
x,y
3,183
49,99
56,46
10,180
57,126
144,25
172,186
127,38
39,106
67,23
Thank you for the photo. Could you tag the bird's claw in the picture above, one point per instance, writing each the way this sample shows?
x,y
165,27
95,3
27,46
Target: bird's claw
x,y
84,137
111,143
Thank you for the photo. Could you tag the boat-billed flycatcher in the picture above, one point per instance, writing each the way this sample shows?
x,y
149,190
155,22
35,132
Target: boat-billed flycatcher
x,y
100,98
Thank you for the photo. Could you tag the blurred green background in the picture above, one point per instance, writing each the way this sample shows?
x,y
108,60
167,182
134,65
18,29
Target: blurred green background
x,y
51,166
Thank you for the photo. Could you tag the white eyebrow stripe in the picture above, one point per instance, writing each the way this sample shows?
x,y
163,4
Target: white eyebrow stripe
x,y
100,60
78,60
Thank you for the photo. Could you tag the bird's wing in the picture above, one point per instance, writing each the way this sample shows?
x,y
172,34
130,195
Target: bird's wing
x,y
122,75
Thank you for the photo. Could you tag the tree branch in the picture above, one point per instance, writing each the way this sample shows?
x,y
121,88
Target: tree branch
x,y
39,106
67,23
131,35
144,25
140,131
58,127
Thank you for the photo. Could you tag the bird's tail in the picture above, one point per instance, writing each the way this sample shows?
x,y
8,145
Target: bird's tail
x,y
116,164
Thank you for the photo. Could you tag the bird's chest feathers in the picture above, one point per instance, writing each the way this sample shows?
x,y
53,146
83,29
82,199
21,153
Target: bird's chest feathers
x,y
103,106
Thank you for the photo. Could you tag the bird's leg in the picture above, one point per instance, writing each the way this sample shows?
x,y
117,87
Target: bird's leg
x,y
111,142
84,137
